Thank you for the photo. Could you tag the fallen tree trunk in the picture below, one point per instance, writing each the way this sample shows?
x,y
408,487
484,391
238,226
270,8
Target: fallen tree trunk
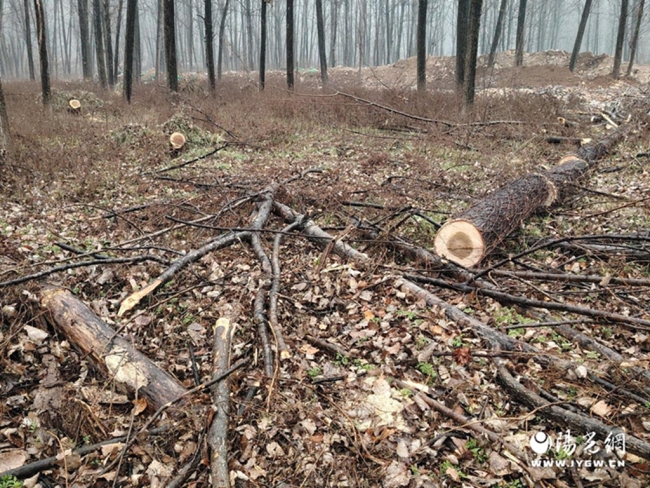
x,y
472,235
127,366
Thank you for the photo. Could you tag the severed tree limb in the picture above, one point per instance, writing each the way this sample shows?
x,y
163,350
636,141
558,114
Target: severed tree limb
x,y
576,420
633,322
218,432
82,264
125,365
573,278
285,353
193,160
470,236
31,469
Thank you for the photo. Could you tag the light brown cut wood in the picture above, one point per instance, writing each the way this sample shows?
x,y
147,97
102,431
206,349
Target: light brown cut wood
x,y
177,141
128,367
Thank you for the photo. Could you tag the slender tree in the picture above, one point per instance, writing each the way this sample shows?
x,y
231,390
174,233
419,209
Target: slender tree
x,y
129,47
222,36
635,35
421,45
170,45
42,51
6,152
497,33
209,42
521,23
290,45
320,27
28,42
263,46
620,38
461,41
82,7
116,57
473,30
99,44
108,42
334,18
581,32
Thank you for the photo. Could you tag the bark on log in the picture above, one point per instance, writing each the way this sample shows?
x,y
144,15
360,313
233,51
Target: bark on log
x,y
472,235
126,365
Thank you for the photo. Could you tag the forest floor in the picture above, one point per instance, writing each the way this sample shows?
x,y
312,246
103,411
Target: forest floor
x,y
381,388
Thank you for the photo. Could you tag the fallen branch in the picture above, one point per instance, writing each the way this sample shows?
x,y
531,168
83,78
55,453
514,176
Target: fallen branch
x,y
634,322
115,355
218,432
193,160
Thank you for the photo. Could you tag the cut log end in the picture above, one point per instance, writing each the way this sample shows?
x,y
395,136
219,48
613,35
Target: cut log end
x,y
177,141
461,242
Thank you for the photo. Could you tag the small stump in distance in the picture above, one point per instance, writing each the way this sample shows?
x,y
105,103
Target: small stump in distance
x,y
74,106
177,143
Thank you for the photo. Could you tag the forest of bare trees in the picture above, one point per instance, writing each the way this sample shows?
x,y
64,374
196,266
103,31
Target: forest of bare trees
x,y
87,38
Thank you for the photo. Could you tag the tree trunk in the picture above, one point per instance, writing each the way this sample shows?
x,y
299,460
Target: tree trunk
x,y
263,47
422,48
222,31
158,64
108,42
28,41
469,237
118,27
581,33
497,33
320,27
209,42
521,22
137,55
473,29
461,41
42,51
113,354
129,45
6,152
170,45
290,45
620,38
99,44
334,18
635,36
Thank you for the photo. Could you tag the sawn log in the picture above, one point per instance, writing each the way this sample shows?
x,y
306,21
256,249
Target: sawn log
x,y
470,236
113,354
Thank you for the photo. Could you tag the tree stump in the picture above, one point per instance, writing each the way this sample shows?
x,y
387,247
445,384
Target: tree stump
x,y
177,143
74,106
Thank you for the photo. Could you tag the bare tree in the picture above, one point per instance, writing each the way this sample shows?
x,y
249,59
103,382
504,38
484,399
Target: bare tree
x,y
635,35
222,36
320,27
334,18
99,44
5,139
108,43
521,23
461,41
263,46
497,33
117,41
209,42
620,38
129,45
28,42
473,29
422,48
290,45
42,51
581,32
82,7
170,45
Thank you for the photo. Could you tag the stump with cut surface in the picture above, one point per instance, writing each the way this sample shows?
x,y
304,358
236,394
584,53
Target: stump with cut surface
x,y
177,142
74,106
470,236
